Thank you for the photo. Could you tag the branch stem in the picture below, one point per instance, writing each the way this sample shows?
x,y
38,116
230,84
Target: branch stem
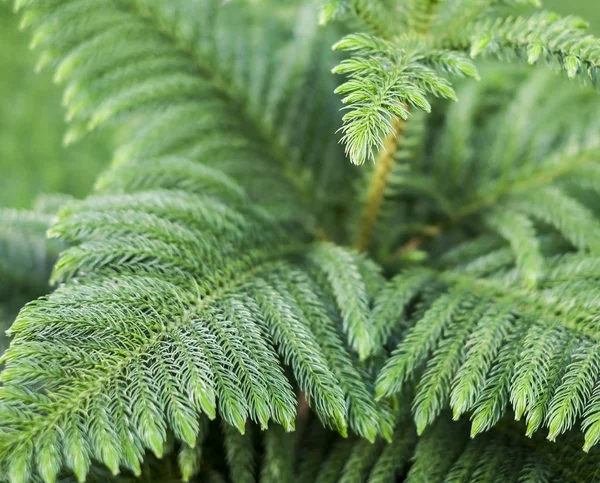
x,y
379,179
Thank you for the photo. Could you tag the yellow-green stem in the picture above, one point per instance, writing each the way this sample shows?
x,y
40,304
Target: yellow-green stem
x,y
378,182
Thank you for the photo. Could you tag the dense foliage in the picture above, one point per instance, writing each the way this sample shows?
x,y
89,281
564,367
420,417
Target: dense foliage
x,y
238,301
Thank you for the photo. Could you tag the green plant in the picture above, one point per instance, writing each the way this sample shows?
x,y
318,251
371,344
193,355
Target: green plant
x,y
233,278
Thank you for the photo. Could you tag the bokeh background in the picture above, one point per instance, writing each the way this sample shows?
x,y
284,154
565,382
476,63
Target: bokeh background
x,y
33,159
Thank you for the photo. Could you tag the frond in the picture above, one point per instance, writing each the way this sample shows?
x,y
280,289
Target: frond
x,y
240,453
342,273
535,350
386,80
563,42
194,328
433,390
393,301
189,458
155,255
519,231
444,453
367,417
417,344
212,82
391,73
574,221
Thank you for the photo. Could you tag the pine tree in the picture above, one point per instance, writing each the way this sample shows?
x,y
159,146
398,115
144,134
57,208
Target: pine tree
x,y
236,301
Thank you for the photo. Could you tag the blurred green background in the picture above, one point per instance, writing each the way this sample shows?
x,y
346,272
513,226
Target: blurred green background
x,y
588,9
33,159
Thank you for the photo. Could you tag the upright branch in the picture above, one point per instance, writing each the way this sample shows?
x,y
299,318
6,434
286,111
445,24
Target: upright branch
x,y
379,179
